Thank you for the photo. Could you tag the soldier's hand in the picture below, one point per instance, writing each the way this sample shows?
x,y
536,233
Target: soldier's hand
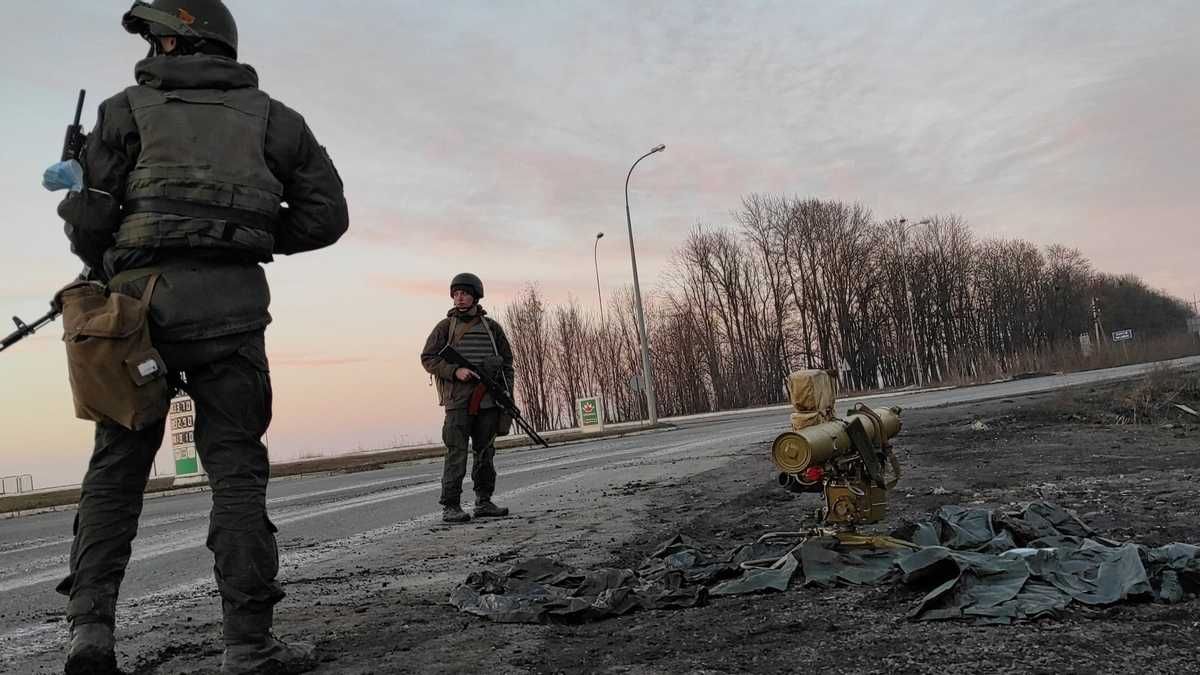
x,y
465,374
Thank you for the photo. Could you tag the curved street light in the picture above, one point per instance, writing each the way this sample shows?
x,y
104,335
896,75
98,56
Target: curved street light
x,y
647,373
912,328
596,262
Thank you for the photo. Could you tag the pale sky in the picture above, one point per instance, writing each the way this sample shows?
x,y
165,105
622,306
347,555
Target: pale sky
x,y
495,136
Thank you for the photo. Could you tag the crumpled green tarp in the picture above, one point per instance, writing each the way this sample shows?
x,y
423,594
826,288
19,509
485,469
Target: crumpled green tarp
x,y
760,579
1000,568
678,574
973,564
827,563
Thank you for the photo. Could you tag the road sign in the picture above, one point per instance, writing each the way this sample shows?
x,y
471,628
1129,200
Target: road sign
x,y
181,425
1119,335
591,413
635,383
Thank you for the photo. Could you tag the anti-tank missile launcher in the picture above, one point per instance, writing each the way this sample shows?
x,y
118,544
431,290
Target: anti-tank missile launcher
x,y
849,459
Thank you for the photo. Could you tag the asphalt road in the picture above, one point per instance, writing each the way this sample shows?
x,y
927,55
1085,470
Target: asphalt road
x,y
319,518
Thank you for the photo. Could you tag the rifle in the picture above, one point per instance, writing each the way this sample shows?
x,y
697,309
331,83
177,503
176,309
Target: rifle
x,y
72,145
499,394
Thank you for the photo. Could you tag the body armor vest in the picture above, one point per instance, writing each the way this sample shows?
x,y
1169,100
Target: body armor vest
x,y
201,179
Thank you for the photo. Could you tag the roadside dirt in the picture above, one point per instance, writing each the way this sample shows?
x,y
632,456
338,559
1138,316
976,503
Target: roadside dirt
x,y
1129,482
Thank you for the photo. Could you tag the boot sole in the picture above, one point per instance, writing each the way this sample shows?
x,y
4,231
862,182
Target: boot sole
x,y
277,668
93,664
272,666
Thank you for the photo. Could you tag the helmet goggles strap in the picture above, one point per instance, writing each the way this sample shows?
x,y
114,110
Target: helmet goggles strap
x,y
148,15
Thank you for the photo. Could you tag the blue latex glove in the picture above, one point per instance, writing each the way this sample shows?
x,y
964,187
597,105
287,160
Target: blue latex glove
x,y
66,175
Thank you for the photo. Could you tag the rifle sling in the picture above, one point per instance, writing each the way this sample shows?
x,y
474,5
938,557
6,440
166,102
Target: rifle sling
x,y
457,329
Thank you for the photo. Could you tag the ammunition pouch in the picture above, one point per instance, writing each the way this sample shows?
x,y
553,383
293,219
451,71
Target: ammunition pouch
x,y
116,373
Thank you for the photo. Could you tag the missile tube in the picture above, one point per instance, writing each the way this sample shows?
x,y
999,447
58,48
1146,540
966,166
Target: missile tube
x,y
795,451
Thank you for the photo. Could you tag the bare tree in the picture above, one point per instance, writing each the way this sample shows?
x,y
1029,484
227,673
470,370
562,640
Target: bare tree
x,y
529,336
821,284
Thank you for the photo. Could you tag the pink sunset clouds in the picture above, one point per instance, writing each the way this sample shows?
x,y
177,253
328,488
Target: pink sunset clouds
x,y
495,138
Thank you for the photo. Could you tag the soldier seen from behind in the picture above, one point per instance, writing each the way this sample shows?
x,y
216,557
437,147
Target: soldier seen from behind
x,y
472,416
191,180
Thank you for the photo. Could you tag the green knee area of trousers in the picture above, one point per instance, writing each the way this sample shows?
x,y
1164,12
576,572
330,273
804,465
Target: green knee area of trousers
x,y
463,432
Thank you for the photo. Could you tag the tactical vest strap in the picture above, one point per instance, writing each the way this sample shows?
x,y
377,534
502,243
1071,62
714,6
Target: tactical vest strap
x,y
199,186
177,207
503,377
181,232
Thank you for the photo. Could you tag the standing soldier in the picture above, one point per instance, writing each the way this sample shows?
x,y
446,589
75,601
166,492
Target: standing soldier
x,y
472,417
185,177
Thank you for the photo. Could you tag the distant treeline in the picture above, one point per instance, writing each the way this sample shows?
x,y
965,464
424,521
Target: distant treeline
x,y
822,284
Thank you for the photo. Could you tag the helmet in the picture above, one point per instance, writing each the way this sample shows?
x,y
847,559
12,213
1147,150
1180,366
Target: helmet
x,y
470,281
200,20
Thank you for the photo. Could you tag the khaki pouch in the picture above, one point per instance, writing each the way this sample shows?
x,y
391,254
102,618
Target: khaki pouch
x,y
116,373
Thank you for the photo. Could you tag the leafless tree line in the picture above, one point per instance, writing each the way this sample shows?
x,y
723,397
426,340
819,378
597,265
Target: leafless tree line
x,y
795,283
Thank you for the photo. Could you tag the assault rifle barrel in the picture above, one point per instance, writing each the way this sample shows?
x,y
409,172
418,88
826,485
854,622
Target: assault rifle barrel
x,y
24,330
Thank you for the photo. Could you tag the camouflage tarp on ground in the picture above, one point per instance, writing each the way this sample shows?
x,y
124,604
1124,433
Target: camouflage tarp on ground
x,y
678,574
976,564
999,568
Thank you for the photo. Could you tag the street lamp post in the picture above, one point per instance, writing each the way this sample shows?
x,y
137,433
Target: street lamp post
x,y
596,262
647,373
912,327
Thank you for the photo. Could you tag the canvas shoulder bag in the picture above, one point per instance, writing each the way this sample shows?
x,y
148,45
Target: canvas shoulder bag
x,y
116,373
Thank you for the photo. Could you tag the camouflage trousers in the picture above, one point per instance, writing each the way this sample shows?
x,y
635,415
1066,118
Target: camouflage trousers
x,y
479,432
229,382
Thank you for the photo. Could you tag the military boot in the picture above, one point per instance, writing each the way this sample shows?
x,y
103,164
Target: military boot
x,y
454,514
91,650
484,508
250,647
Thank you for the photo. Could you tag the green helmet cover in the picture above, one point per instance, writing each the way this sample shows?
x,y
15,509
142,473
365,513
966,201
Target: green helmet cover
x,y
470,281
